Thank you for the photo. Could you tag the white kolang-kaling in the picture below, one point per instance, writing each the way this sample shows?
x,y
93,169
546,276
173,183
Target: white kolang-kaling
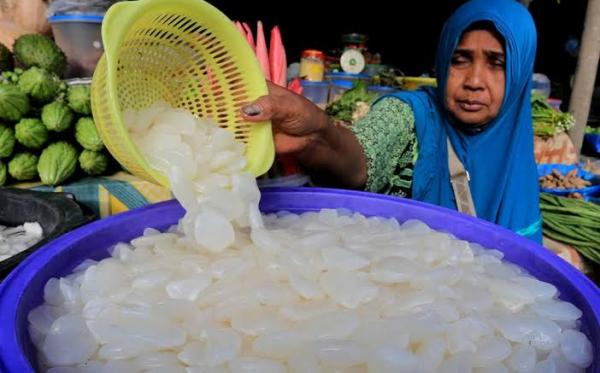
x,y
331,291
14,240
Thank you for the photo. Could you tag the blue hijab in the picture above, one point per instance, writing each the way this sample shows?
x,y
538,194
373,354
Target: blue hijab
x,y
499,159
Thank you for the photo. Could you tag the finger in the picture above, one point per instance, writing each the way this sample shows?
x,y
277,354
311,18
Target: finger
x,y
260,110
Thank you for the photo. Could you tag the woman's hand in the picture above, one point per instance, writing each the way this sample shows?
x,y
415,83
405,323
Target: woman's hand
x,y
297,122
330,154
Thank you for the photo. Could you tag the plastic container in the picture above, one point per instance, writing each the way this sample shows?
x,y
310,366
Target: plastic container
x,y
188,54
312,65
79,36
555,103
296,180
22,291
55,212
541,84
347,77
317,92
337,89
381,90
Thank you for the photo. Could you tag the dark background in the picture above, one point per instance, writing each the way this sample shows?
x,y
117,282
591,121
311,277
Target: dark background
x,y
405,33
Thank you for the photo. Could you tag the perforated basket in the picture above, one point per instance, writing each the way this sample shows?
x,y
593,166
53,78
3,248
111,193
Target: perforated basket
x,y
188,54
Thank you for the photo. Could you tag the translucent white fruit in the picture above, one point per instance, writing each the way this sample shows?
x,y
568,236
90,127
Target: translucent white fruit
x,y
523,359
392,360
347,288
331,325
58,347
188,288
557,311
212,231
509,294
256,365
431,354
278,345
339,353
220,346
392,270
305,287
338,258
258,321
490,351
576,348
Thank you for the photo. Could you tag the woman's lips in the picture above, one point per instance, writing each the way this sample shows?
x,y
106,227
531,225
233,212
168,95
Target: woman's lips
x,y
470,105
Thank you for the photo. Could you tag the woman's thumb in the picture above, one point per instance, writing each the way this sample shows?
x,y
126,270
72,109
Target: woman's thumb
x,y
259,110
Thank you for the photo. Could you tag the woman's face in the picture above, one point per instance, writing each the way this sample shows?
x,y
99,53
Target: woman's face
x,y
475,87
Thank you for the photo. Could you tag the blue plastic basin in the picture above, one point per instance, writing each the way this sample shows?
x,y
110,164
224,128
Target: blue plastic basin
x,y
23,289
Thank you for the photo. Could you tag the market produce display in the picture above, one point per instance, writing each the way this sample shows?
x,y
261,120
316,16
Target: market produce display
x,y
548,121
229,289
42,118
573,222
592,130
556,179
352,105
40,51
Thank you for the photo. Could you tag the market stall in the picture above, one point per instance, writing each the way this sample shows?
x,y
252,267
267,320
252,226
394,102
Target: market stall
x,y
244,266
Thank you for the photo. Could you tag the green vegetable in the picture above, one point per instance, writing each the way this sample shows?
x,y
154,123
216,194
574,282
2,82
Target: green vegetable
x,y
57,163
57,116
31,133
573,222
11,77
3,173
93,163
592,130
7,141
87,135
78,97
343,108
23,166
548,121
41,85
14,103
40,51
6,58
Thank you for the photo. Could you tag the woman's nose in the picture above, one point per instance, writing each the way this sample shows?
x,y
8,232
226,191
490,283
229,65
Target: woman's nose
x,y
474,77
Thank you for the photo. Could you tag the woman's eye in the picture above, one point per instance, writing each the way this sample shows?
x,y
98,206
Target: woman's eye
x,y
457,60
498,62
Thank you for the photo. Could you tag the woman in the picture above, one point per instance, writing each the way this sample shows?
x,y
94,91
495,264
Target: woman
x,y
481,107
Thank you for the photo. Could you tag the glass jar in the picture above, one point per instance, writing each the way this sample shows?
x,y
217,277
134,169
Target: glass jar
x,y
312,65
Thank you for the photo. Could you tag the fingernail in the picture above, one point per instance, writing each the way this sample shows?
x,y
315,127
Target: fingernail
x,y
251,110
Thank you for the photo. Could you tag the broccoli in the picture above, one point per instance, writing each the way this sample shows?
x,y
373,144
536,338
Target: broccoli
x,y
41,51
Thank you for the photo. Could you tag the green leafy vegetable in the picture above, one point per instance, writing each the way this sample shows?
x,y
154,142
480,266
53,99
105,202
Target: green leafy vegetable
x,y
343,108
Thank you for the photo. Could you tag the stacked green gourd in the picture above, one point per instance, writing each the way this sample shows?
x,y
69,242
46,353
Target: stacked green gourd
x,y
46,127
